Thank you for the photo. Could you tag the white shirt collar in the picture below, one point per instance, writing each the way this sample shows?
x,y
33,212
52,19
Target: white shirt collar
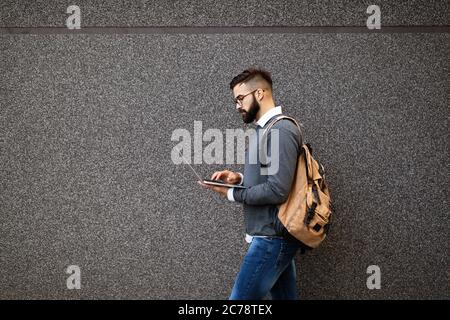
x,y
268,115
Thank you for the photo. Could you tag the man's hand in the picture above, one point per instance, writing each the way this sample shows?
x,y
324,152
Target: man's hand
x,y
227,176
220,190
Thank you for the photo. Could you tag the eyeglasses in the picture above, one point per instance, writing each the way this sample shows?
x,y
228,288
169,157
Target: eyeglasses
x,y
240,98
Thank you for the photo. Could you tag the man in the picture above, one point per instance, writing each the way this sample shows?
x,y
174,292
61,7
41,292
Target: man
x,y
268,266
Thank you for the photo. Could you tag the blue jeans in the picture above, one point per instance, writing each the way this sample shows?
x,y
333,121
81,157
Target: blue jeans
x,y
268,267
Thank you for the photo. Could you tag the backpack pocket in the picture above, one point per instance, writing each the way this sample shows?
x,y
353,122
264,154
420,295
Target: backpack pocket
x,y
317,224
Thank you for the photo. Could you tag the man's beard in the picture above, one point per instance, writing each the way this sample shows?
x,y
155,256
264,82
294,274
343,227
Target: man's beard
x,y
250,116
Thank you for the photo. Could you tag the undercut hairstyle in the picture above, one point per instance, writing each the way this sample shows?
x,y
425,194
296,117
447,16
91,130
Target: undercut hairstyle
x,y
252,75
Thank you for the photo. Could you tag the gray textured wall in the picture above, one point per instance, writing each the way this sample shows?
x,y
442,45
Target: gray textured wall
x,y
85,142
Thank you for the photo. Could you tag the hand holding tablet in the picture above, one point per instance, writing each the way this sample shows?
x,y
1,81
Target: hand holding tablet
x,y
231,179
225,178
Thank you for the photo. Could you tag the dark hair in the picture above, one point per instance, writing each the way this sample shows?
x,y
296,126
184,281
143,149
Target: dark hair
x,y
250,74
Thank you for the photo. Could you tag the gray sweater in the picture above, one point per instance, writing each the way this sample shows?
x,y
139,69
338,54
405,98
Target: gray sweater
x,y
265,192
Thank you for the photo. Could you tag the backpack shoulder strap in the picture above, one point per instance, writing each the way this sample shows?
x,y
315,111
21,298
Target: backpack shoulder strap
x,y
308,162
304,147
277,118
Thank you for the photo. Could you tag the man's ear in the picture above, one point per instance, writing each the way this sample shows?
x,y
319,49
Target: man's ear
x,y
260,93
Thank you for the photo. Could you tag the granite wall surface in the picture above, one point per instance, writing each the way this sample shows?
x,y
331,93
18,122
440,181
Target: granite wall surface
x,y
87,179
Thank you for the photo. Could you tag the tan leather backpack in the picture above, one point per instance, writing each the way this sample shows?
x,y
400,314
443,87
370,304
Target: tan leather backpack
x,y
306,214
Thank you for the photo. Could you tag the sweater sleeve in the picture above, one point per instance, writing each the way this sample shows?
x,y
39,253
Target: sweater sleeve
x,y
276,189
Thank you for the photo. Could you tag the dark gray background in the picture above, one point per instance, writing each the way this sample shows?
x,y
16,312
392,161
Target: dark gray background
x,y
85,142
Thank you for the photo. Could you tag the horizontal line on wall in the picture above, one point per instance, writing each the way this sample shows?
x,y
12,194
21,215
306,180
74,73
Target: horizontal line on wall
x,y
223,30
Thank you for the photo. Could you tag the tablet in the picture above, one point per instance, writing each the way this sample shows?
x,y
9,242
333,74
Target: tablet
x,y
222,183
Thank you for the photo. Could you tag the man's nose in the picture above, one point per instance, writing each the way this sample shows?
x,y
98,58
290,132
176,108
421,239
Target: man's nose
x,y
238,106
